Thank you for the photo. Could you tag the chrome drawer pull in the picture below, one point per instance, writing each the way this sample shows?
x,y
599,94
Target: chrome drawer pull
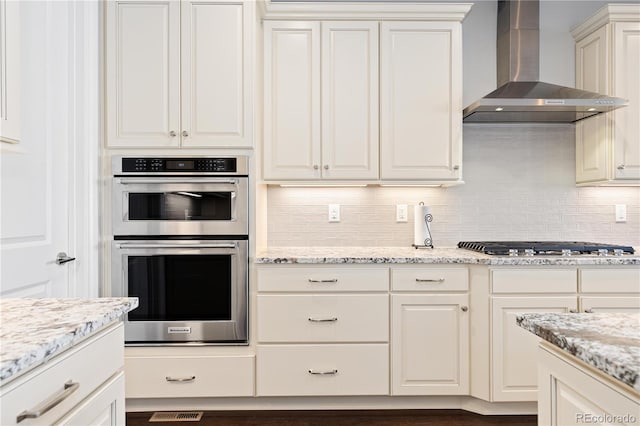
x,y
69,388
323,373
180,379
422,280
333,280
334,319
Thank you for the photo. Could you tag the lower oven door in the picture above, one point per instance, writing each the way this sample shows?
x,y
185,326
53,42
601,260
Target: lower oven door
x,y
189,290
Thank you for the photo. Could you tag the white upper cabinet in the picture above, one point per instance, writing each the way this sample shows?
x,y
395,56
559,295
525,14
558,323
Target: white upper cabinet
x,y
608,62
321,73
421,100
363,92
178,74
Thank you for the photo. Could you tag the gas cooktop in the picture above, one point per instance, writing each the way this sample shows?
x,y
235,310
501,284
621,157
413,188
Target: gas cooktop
x,y
537,248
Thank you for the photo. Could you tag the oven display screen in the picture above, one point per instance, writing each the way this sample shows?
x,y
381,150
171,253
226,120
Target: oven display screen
x,y
180,165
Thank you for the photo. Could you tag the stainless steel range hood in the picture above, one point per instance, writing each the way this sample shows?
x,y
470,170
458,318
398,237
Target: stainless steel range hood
x,y
520,97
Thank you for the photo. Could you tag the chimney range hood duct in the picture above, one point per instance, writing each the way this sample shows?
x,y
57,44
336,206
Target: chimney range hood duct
x,y
520,97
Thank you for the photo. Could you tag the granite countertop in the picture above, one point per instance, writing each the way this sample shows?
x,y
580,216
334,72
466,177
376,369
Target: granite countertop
x,y
608,342
370,255
32,331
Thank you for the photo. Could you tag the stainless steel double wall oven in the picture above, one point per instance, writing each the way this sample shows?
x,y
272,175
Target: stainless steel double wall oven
x,y
180,228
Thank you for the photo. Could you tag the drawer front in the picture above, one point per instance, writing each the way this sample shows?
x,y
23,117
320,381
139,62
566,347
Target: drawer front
x,y
323,318
609,280
323,279
88,365
523,280
430,279
297,370
189,376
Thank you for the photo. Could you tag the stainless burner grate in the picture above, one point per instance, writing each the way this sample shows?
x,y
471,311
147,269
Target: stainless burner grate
x,y
176,416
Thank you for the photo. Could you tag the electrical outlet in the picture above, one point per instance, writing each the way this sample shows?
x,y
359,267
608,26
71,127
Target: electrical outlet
x,y
621,212
401,213
334,212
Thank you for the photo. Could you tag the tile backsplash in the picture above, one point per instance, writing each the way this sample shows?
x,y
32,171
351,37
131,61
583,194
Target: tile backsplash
x,y
519,185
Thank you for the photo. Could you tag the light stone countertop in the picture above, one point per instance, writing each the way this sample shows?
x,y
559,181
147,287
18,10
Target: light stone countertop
x,y
32,331
372,255
609,342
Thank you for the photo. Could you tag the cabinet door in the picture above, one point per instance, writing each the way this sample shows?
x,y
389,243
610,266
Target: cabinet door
x,y
216,61
430,344
105,407
421,100
291,100
143,73
626,84
610,304
514,360
349,100
10,71
593,135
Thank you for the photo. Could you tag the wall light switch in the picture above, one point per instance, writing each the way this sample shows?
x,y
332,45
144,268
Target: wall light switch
x,y
621,212
401,213
334,212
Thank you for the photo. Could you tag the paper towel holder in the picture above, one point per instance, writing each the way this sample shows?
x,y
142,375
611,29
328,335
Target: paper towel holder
x,y
428,242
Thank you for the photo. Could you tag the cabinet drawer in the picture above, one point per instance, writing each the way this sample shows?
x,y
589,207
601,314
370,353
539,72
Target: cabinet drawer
x,y
323,279
90,364
283,370
323,318
189,376
607,280
523,280
429,279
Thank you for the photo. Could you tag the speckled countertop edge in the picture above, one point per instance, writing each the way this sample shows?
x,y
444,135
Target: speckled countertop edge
x,y
609,342
410,255
33,331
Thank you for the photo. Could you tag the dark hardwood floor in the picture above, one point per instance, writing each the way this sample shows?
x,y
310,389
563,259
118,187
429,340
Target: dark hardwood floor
x,y
341,418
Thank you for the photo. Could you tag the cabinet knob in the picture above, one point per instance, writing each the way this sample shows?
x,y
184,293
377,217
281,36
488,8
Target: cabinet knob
x,y
326,167
464,308
456,167
172,133
315,167
589,311
621,167
573,311
185,133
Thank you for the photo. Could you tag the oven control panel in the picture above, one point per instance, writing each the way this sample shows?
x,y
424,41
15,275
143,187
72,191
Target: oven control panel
x,y
196,164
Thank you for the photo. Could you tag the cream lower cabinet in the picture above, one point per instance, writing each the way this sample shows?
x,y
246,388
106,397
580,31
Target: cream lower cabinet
x,y
429,331
179,73
517,290
572,393
322,331
86,380
608,62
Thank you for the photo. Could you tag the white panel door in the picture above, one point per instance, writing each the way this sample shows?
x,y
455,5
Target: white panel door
x,y
349,100
421,100
34,180
291,100
143,73
430,344
626,84
9,71
514,349
593,134
216,55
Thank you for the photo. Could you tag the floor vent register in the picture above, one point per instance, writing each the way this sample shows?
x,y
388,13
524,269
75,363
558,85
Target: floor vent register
x,y
176,416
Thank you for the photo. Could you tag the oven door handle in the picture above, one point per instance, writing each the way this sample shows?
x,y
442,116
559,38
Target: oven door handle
x,y
198,180
175,246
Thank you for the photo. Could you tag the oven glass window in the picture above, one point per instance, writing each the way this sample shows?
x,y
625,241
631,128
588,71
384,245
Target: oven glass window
x,y
180,287
180,205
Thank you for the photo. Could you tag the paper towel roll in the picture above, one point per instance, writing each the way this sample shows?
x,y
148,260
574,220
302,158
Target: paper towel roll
x,y
421,227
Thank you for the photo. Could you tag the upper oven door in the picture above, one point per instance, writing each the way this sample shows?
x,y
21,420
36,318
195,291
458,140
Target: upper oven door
x,y
180,206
